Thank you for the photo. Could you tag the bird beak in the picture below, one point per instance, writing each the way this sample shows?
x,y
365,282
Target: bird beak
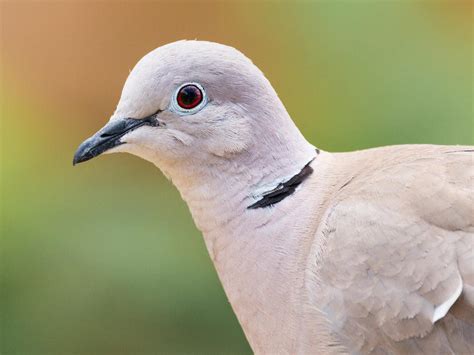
x,y
110,136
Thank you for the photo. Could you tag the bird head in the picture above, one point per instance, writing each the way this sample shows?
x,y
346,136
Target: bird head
x,y
198,103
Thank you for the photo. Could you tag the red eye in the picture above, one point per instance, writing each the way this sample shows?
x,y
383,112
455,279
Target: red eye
x,y
189,96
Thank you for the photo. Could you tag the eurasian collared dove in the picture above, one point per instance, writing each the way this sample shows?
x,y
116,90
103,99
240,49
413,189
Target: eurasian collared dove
x,y
362,252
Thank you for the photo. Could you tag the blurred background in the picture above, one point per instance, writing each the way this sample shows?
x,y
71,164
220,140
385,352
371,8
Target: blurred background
x,y
104,258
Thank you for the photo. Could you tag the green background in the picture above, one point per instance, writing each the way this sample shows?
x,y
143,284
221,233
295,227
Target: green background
x,y
104,258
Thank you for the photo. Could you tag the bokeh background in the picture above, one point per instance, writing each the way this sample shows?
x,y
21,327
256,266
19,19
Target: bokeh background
x,y
104,258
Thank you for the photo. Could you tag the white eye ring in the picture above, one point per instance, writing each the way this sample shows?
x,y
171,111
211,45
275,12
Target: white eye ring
x,y
176,108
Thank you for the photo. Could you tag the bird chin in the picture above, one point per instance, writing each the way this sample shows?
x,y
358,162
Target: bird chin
x,y
135,149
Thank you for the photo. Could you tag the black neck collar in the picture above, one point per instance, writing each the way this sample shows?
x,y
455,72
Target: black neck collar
x,y
283,189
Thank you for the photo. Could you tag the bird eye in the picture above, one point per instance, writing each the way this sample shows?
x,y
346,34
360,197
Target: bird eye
x,y
189,98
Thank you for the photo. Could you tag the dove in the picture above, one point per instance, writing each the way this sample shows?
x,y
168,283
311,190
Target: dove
x,y
365,252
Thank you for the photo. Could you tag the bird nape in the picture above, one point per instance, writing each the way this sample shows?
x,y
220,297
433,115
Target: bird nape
x,y
362,252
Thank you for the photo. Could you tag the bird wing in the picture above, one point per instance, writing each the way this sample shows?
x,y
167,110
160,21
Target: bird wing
x,y
397,262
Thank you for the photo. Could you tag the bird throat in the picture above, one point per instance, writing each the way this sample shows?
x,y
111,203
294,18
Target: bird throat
x,y
283,189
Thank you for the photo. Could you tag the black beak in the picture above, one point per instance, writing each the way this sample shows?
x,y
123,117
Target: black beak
x,y
109,137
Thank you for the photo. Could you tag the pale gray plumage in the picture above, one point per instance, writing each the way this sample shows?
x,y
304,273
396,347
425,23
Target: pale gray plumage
x,y
373,253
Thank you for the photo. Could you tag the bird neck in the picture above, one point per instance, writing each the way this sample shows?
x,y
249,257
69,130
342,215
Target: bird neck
x,y
245,243
222,190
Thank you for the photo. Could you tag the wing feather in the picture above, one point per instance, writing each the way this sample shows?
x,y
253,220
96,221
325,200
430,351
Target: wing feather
x,y
398,264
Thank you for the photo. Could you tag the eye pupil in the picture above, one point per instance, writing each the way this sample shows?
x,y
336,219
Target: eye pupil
x,y
189,96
